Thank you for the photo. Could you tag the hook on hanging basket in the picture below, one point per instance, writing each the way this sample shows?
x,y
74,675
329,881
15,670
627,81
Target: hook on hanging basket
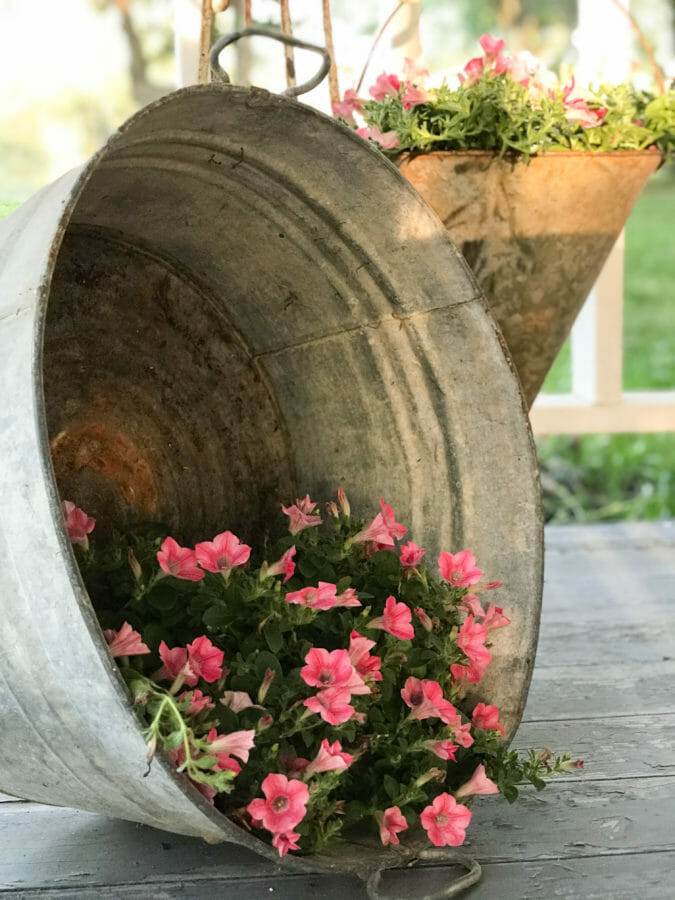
x,y
219,74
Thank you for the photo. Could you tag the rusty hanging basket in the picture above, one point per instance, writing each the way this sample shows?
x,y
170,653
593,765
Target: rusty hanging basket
x,y
236,299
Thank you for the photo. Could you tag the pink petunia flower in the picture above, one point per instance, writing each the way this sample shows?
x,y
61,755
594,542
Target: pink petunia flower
x,y
222,554
125,642
284,566
577,110
323,597
479,783
366,664
300,515
323,669
238,701
392,821
414,97
174,661
414,70
495,618
491,46
411,555
237,743
78,524
472,604
332,704
383,530
385,86
473,71
426,701
204,660
445,821
471,640
181,562
329,758
461,733
349,105
444,749
284,805
459,569
486,718
396,620
386,139
285,841
198,701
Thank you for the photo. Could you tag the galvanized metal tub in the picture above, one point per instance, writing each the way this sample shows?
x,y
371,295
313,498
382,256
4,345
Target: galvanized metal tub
x,y
236,300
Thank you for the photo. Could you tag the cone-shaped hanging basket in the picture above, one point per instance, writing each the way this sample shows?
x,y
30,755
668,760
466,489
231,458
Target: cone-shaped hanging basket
x,y
536,235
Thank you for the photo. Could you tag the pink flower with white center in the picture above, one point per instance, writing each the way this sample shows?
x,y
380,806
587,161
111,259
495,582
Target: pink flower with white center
x,y
367,665
332,704
472,604
237,743
284,805
349,105
426,701
424,619
445,821
459,569
411,555
385,86
396,619
300,515
324,669
238,701
285,841
181,562
386,139
198,701
383,530
414,70
330,757
444,749
479,783
473,71
284,566
486,718
414,97
495,618
577,110
222,554
491,46
78,524
392,821
125,642
204,660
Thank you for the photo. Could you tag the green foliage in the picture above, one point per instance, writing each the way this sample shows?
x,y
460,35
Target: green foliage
x,y
265,640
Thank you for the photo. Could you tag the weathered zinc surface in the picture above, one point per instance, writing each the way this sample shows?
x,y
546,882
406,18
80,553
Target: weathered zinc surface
x,y
603,687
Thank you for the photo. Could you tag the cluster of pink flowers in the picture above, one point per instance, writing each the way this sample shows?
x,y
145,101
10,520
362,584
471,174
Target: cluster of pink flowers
x,y
224,553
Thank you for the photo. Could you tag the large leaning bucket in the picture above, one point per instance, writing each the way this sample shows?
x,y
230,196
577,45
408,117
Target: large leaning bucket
x,y
236,301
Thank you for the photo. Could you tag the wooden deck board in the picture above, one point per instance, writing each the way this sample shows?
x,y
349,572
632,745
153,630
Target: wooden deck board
x,y
603,688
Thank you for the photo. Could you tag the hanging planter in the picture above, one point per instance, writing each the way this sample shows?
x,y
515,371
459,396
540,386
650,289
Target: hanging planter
x,y
533,180
535,236
198,325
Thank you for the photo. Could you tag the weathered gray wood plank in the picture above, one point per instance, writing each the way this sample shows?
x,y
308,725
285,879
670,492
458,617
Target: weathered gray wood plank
x,y
623,642
642,746
592,691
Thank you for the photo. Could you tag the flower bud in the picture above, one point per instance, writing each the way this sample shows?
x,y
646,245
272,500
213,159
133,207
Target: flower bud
x,y
570,764
424,618
264,722
265,686
135,565
344,503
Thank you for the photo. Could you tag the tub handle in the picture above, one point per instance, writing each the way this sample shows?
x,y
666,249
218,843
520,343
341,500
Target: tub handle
x,y
220,74
440,856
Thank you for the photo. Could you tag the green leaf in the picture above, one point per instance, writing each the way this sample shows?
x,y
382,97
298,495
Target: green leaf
x,y
391,787
173,741
205,762
273,636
